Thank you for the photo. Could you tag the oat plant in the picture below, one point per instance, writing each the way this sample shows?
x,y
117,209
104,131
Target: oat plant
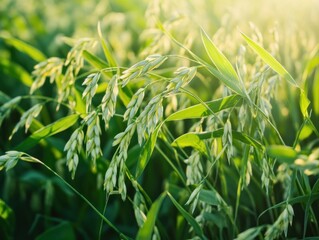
x,y
184,160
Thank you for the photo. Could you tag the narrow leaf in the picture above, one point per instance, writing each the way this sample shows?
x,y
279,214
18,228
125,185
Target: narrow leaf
x,y
26,48
7,221
94,60
101,87
16,71
147,151
251,233
145,232
47,131
189,218
195,140
4,97
199,110
210,197
309,209
300,199
282,153
304,103
315,91
216,217
311,65
190,140
228,74
305,131
125,95
63,231
270,60
80,105
106,49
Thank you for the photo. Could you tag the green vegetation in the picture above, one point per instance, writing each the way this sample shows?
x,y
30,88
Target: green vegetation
x,y
159,119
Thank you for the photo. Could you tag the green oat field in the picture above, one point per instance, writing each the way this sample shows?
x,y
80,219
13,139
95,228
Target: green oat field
x,y
159,119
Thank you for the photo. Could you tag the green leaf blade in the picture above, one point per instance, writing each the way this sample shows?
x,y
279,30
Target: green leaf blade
x,y
7,221
195,140
63,231
270,60
189,218
146,152
251,233
47,131
304,103
228,74
199,110
284,154
145,232
106,49
24,47
210,197
16,71
94,60
190,140
315,91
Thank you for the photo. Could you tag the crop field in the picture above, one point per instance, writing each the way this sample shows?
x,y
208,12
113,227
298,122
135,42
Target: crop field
x,y
159,119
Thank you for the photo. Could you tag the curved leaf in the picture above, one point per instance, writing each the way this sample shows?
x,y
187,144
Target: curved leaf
x,y
26,48
16,71
228,74
304,103
147,151
315,91
190,140
63,231
106,48
189,218
270,60
282,153
251,233
94,60
195,140
211,197
47,131
145,232
199,110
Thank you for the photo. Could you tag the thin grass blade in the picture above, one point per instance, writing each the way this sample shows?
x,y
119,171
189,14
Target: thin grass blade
x,y
199,110
94,60
188,217
270,60
145,232
47,131
63,230
24,47
195,140
146,152
228,74
315,91
106,48
16,71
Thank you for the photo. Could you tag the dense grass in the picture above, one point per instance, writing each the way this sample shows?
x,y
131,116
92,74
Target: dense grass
x,y
136,119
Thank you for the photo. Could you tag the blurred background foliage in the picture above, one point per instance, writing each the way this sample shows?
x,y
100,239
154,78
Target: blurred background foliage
x,y
35,201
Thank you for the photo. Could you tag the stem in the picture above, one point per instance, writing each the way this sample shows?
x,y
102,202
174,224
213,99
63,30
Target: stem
x,y
104,210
